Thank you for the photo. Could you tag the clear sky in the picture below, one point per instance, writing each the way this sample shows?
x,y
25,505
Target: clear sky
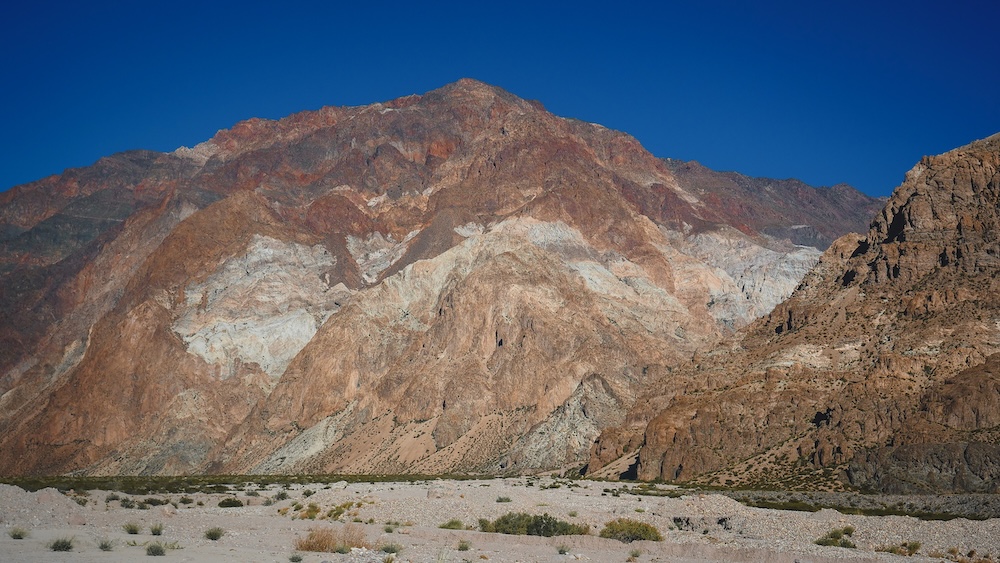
x,y
828,92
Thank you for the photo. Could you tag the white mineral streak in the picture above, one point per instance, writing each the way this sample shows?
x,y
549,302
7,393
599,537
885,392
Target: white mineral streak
x,y
376,253
200,153
260,307
747,280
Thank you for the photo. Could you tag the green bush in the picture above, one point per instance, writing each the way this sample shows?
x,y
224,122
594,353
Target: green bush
x,y
503,499
464,545
627,530
392,548
838,537
155,549
131,528
156,529
62,544
106,545
230,503
523,524
453,524
295,558
17,533
214,533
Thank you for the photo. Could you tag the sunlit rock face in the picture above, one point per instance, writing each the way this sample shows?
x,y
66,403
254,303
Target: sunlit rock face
x,y
879,371
458,281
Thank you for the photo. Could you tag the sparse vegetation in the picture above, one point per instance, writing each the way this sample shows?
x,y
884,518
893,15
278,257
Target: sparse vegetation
x,y
562,549
838,537
155,549
231,502
295,558
391,548
214,533
106,545
17,533
453,524
156,529
61,544
464,545
627,530
131,528
520,523
330,541
503,499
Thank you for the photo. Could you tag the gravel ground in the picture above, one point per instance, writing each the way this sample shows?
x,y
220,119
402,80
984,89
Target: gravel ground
x,y
700,527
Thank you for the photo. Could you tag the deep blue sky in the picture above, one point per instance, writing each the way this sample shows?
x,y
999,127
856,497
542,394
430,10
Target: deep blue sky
x,y
826,92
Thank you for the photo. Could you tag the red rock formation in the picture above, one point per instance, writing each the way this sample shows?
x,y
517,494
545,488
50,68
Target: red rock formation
x,y
453,281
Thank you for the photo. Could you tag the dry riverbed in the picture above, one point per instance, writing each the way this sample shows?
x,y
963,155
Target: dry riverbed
x,y
406,516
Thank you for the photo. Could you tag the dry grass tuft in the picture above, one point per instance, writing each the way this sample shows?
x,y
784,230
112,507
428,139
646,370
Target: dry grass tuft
x,y
330,540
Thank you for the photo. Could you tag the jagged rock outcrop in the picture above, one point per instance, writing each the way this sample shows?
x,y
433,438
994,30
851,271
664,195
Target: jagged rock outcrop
x,y
882,362
458,281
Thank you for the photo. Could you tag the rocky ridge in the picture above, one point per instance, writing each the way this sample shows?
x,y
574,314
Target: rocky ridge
x,y
458,281
880,371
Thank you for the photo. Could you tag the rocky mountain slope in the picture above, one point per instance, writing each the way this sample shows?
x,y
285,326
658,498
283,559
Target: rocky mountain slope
x,y
881,370
458,281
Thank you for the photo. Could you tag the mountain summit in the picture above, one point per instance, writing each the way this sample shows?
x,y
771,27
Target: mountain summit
x,y
458,281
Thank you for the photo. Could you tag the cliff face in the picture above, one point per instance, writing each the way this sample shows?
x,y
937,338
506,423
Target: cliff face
x,y
453,281
882,364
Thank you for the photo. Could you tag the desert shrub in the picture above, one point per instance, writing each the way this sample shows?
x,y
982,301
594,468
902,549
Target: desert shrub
x,y
111,497
391,548
17,533
62,544
310,512
503,499
106,545
464,545
156,529
230,503
82,501
281,495
562,549
838,537
214,533
295,558
126,502
453,524
186,500
155,549
131,528
906,548
308,493
521,523
627,530
153,501
330,541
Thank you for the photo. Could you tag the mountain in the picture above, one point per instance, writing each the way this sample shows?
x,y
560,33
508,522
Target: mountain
x,y
458,281
881,371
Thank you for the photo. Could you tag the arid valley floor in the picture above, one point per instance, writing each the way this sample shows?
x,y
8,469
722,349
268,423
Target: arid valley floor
x,y
408,516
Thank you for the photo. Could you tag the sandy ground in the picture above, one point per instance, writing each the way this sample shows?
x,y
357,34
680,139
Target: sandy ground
x,y
715,528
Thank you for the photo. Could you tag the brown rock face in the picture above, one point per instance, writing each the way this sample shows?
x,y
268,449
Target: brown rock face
x,y
882,362
458,281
